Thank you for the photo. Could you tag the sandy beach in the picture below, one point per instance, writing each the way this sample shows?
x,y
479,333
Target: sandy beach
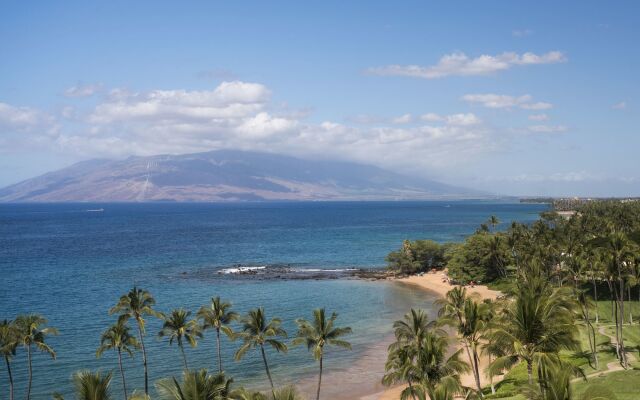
x,y
437,283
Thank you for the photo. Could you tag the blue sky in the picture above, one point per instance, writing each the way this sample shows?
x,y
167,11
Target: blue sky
x,y
521,98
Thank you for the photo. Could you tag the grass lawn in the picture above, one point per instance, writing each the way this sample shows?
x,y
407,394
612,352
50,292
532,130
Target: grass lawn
x,y
625,385
631,334
604,311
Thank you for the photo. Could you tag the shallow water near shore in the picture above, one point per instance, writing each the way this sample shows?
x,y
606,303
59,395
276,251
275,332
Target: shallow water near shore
x,y
72,264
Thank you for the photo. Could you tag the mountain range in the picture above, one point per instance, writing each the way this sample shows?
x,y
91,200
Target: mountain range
x,y
225,175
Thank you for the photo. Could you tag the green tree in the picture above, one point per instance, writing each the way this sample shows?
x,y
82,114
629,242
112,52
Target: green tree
x,y
8,346
195,385
117,337
419,357
217,316
482,257
319,333
536,325
92,385
137,304
31,333
493,221
257,332
418,256
470,319
177,326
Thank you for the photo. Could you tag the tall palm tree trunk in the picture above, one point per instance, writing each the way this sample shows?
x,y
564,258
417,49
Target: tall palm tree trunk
x,y
595,293
6,359
144,360
476,371
184,356
473,364
530,371
219,355
30,372
621,298
266,366
591,334
124,383
630,312
319,380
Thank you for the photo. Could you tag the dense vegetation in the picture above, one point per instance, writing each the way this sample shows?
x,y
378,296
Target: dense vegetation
x,y
569,285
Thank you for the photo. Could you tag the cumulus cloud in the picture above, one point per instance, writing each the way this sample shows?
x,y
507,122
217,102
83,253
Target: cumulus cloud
x,y
459,64
25,119
228,100
547,128
241,115
431,117
403,119
538,117
81,90
492,100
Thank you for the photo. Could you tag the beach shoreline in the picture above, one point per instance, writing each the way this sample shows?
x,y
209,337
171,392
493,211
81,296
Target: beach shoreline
x,y
437,283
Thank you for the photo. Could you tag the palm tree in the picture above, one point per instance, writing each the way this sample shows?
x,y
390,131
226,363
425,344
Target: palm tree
x,y
585,303
400,368
217,316
319,333
8,345
137,304
92,386
418,357
177,326
288,393
536,325
438,369
256,332
459,311
195,385
493,221
413,327
244,394
475,322
284,393
118,338
31,333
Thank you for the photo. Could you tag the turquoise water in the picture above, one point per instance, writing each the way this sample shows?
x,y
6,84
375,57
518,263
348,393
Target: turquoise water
x,y
71,265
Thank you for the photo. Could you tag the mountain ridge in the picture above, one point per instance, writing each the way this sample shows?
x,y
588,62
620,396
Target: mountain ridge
x,y
226,175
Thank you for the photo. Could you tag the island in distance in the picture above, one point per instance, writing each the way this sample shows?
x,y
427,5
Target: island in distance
x,y
225,175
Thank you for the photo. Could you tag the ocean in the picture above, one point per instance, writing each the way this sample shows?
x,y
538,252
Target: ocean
x,y
71,262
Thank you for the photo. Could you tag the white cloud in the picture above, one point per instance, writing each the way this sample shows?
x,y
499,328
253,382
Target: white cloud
x,y
403,119
492,100
620,106
538,117
431,117
25,119
240,115
263,125
81,90
521,33
459,64
463,119
547,128
228,100
537,106
570,176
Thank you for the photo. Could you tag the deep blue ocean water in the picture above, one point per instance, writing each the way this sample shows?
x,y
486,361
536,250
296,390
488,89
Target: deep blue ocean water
x,y
71,264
